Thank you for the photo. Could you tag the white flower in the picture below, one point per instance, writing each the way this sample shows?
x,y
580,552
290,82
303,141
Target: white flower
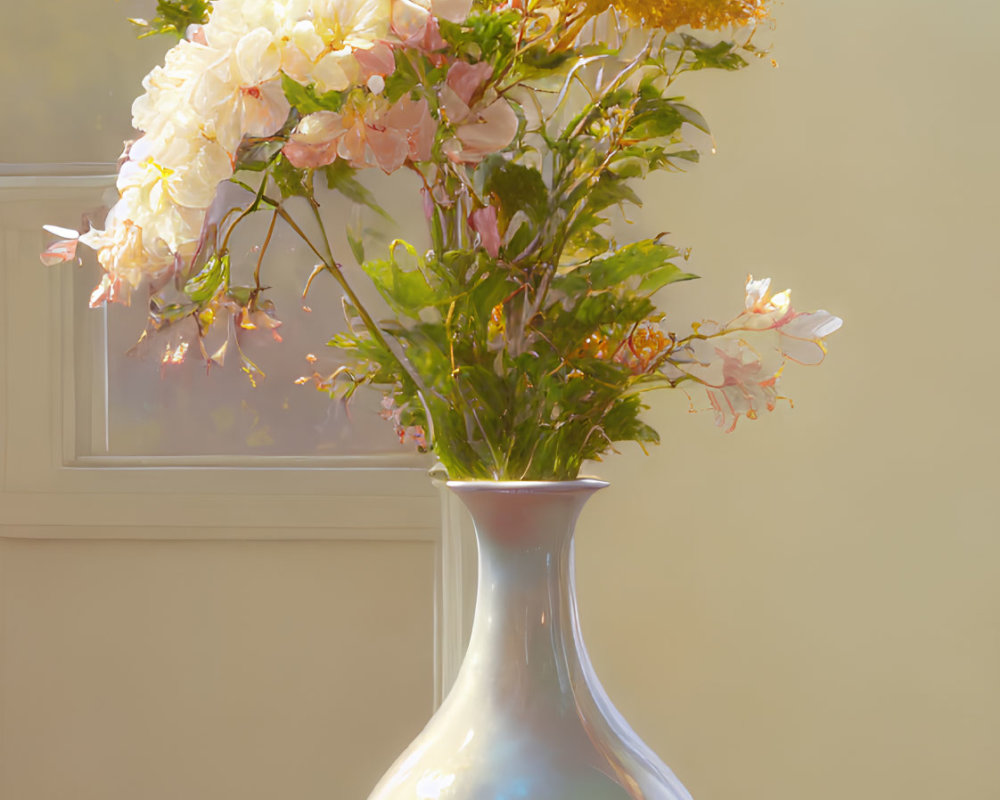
x,y
321,45
147,200
222,84
408,16
800,334
352,23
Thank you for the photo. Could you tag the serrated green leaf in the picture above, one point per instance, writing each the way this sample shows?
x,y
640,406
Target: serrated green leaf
x,y
487,36
638,260
174,17
715,56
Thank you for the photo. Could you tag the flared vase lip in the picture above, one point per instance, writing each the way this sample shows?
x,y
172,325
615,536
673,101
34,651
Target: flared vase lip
x,y
527,487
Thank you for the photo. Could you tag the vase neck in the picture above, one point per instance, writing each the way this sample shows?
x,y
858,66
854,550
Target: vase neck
x,y
525,636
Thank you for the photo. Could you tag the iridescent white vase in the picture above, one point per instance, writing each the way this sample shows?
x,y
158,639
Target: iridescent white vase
x,y
527,717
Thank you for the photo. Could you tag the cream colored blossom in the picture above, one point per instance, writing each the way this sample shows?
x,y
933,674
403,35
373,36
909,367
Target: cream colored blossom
x,y
215,88
320,45
409,16
800,334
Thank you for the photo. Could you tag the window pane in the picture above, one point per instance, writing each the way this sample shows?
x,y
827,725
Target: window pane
x,y
136,401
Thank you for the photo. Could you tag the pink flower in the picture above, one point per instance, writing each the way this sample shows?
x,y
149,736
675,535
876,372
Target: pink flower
x,y
314,141
378,60
368,137
739,377
465,80
61,250
484,222
746,387
393,413
483,122
426,39
410,121
415,433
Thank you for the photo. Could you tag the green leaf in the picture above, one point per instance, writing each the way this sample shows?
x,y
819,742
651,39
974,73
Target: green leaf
x,y
307,100
663,276
717,56
517,188
654,119
610,190
340,177
403,79
256,155
692,117
166,314
174,17
241,294
647,260
686,155
483,37
291,180
406,291
212,278
538,61
357,245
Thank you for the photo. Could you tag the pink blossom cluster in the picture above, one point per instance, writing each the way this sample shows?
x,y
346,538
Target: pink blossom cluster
x,y
371,132
740,366
415,433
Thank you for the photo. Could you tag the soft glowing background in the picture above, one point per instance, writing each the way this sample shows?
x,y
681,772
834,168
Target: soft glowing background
x,y
808,608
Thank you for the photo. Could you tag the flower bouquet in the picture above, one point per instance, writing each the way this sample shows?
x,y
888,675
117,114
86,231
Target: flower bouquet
x,y
518,340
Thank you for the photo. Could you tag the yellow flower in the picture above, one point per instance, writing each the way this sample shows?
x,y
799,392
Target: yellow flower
x,y
668,15
497,324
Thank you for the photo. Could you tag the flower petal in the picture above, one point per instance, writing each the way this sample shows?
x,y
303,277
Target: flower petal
x,y
59,252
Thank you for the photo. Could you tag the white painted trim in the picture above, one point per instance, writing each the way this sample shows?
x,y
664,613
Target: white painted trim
x,y
56,177
50,492
214,532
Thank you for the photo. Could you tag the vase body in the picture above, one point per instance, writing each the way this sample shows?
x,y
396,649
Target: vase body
x,y
527,717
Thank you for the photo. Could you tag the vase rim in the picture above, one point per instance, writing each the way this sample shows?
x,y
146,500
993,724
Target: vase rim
x,y
527,487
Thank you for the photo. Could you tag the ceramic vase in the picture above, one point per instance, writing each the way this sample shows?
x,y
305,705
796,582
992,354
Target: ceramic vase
x,y
527,716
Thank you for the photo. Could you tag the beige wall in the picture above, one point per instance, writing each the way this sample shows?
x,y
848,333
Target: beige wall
x,y
809,607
